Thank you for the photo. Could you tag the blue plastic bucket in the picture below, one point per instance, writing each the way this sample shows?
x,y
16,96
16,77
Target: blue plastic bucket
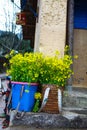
x,y
23,94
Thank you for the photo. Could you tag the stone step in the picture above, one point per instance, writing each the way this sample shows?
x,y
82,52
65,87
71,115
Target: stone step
x,y
75,99
74,112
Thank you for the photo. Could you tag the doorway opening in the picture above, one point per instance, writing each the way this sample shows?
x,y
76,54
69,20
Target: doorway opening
x,y
30,10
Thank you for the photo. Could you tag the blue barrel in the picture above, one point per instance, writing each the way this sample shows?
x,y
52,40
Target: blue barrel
x,y
23,96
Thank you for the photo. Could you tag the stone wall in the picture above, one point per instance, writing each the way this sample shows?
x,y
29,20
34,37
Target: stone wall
x,y
53,26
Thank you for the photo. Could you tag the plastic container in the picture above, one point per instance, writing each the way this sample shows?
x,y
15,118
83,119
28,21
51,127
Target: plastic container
x,y
23,96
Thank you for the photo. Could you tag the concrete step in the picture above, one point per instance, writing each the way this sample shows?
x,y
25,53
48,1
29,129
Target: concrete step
x,y
70,112
75,99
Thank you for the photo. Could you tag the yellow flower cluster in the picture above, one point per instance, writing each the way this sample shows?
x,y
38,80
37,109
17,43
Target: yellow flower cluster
x,y
56,70
37,95
25,68
35,67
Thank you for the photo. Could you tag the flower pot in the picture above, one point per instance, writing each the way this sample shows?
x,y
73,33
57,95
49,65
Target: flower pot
x,y
54,101
23,96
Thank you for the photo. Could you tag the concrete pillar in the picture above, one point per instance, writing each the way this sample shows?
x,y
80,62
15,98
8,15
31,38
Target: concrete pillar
x,y
38,26
53,26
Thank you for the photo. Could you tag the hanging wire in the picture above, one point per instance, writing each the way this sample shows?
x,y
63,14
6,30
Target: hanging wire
x,y
15,4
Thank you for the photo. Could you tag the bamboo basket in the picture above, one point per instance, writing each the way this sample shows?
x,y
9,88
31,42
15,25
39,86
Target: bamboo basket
x,y
52,102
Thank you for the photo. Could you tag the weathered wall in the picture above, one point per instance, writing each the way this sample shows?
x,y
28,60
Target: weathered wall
x,y
53,26
80,64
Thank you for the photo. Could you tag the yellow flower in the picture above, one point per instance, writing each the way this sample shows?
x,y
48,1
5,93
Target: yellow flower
x,y
37,95
4,64
75,57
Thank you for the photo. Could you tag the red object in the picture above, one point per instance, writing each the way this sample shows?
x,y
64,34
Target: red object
x,y
25,18
21,18
24,83
5,124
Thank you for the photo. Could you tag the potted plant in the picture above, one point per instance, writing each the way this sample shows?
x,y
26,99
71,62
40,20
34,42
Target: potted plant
x,y
50,71
24,69
54,74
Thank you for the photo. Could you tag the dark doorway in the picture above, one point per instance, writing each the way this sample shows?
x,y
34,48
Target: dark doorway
x,y
30,8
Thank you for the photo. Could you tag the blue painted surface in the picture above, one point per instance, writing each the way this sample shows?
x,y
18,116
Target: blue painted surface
x,y
26,100
80,14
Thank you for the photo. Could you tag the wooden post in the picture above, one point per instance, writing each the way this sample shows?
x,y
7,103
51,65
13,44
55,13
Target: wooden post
x,y
70,32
